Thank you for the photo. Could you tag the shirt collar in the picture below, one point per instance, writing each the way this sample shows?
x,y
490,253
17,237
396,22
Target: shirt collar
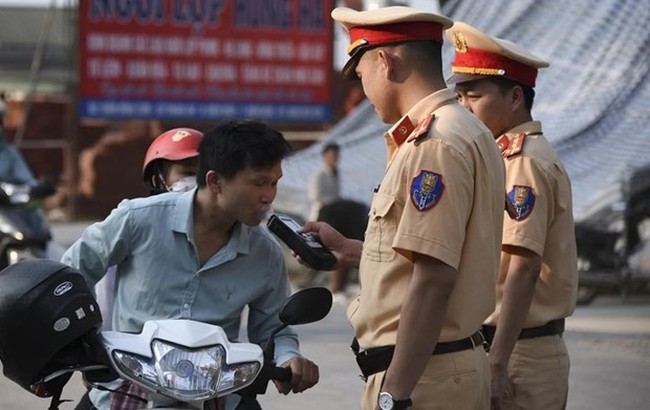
x,y
511,142
184,223
399,132
528,128
241,236
184,212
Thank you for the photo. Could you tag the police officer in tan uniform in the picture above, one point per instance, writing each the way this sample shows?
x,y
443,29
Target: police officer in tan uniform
x,y
433,240
537,283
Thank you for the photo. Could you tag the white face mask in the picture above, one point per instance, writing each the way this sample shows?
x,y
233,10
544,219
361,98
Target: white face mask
x,y
184,184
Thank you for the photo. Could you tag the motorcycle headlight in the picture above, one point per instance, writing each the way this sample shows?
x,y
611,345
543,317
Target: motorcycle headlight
x,y
186,374
18,194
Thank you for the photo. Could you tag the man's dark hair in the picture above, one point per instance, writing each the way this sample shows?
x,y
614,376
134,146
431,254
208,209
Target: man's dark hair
x,y
236,145
332,146
506,84
427,52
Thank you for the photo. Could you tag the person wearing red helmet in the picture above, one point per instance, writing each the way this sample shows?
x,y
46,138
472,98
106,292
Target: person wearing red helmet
x,y
172,160
170,165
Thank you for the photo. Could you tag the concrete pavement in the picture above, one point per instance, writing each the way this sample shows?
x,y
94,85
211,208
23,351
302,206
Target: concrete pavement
x,y
66,233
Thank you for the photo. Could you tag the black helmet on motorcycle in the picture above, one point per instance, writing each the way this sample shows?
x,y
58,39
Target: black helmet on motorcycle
x,y
45,308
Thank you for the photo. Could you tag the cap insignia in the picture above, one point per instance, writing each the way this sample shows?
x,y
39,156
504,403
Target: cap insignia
x,y
460,43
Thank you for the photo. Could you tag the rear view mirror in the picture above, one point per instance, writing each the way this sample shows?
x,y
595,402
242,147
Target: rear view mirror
x,y
306,306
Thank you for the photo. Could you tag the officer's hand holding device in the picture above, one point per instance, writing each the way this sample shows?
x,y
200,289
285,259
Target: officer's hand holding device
x,y
304,245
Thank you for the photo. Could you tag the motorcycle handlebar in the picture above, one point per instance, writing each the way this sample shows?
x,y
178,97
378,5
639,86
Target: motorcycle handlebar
x,y
43,189
281,374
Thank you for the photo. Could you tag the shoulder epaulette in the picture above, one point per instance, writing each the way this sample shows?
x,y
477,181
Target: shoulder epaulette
x,y
422,129
511,145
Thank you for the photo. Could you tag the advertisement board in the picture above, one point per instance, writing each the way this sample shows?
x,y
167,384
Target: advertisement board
x,y
206,59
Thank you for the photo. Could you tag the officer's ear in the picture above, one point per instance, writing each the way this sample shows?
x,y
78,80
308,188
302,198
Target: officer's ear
x,y
517,98
213,182
386,61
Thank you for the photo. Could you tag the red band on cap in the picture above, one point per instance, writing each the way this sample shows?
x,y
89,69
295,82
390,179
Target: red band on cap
x,y
395,33
481,62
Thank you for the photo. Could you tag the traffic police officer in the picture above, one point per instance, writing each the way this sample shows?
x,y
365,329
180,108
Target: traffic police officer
x,y
432,246
495,80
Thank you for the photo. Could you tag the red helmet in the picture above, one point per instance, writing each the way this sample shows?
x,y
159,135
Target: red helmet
x,y
174,145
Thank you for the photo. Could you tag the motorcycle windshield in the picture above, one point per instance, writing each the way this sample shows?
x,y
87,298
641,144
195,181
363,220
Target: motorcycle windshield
x,y
28,222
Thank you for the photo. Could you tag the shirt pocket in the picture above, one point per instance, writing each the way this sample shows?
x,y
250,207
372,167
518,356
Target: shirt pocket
x,y
382,225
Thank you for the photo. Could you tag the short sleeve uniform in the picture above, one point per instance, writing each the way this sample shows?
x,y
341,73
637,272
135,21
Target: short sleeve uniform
x,y
539,188
437,198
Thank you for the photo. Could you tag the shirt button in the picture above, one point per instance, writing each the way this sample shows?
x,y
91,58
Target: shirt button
x,y
186,306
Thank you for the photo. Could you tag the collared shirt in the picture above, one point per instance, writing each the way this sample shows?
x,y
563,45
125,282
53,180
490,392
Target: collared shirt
x,y
13,167
324,188
158,275
441,196
538,184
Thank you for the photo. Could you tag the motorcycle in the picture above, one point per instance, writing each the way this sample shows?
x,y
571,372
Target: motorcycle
x,y
24,232
184,364
613,240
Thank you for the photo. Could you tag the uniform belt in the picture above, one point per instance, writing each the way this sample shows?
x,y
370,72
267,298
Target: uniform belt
x,y
554,327
377,359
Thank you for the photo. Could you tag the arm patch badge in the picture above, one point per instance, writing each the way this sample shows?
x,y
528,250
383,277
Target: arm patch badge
x,y
523,200
426,190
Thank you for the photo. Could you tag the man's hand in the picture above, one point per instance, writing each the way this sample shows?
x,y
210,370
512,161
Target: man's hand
x,y
347,251
523,270
304,374
326,234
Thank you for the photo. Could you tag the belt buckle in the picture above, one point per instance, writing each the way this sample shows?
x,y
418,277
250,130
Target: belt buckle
x,y
482,341
362,353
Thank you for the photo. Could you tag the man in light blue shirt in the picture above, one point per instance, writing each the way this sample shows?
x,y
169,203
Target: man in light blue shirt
x,y
201,255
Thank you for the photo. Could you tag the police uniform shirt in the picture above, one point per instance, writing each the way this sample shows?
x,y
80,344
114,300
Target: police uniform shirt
x,y
539,188
438,198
